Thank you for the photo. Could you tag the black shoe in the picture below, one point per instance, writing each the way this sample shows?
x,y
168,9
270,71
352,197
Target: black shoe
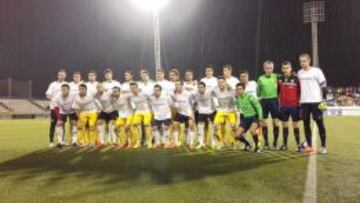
x,y
283,148
257,150
247,148
299,148
275,145
59,146
266,147
74,145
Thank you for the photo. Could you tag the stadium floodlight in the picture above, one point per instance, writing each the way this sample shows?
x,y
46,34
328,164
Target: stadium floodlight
x,y
314,12
154,6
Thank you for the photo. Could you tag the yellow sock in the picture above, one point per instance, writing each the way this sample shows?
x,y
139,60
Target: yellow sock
x,y
219,135
80,135
148,135
92,136
136,136
122,136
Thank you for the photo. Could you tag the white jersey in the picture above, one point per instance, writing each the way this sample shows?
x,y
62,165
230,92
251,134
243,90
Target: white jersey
x,y
310,85
122,105
167,86
225,100
74,87
86,104
53,91
205,102
65,104
251,88
190,86
125,87
147,88
140,102
91,87
183,103
104,100
232,82
108,85
211,83
161,107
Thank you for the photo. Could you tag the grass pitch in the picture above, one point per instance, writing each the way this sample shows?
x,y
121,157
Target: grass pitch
x,y
30,172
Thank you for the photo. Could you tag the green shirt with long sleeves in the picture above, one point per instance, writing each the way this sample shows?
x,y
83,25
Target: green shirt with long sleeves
x,y
249,106
267,86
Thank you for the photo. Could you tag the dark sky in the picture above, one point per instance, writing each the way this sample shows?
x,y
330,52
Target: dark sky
x,y
37,37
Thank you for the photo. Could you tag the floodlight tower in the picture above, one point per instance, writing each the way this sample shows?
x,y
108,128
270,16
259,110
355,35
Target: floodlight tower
x,y
154,6
314,12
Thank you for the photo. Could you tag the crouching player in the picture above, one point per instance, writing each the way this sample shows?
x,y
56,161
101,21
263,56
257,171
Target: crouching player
x,y
289,97
121,104
65,103
142,115
160,105
86,107
252,112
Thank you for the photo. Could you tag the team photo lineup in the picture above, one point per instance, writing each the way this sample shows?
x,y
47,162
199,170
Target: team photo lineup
x,y
198,113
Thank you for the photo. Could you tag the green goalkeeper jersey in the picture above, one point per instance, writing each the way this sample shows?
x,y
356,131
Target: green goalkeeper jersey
x,y
267,86
249,106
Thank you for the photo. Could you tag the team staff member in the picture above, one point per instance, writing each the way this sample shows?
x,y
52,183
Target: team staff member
x,y
313,93
268,95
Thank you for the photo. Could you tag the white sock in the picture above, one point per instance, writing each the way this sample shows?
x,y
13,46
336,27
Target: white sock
x,y
112,133
100,129
74,135
166,136
60,134
191,137
201,132
157,137
176,137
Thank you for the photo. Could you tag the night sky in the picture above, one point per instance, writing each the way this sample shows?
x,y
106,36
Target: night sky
x,y
37,37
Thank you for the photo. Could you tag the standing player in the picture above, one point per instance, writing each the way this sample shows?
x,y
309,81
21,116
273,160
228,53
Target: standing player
x,y
289,96
160,105
250,85
109,83
225,110
121,103
230,80
142,116
252,112
210,81
65,103
129,78
174,75
86,107
106,116
74,85
167,86
206,108
190,84
268,95
146,84
313,93
91,83
51,93
184,115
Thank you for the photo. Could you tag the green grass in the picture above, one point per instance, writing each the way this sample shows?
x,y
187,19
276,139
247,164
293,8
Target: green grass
x,y
29,172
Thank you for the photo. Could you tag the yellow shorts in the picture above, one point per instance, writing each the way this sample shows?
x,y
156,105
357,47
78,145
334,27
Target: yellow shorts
x,y
221,117
142,117
87,117
124,121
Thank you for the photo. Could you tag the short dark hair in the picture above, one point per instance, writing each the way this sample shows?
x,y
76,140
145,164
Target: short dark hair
x,y
133,84
66,85
92,71
305,55
83,85
158,86
210,66
284,63
160,70
76,73
221,77
116,88
202,83
129,72
244,72
241,85
108,70
61,70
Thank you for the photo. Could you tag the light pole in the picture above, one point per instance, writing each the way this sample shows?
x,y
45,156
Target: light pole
x,y
154,6
314,12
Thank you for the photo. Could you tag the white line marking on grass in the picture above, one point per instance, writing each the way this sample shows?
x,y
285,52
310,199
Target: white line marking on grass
x,y
310,195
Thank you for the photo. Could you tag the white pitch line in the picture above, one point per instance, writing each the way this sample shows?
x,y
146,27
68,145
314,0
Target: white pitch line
x,y
310,195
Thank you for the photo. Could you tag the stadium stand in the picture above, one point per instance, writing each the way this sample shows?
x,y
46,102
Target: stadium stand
x,y
22,107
